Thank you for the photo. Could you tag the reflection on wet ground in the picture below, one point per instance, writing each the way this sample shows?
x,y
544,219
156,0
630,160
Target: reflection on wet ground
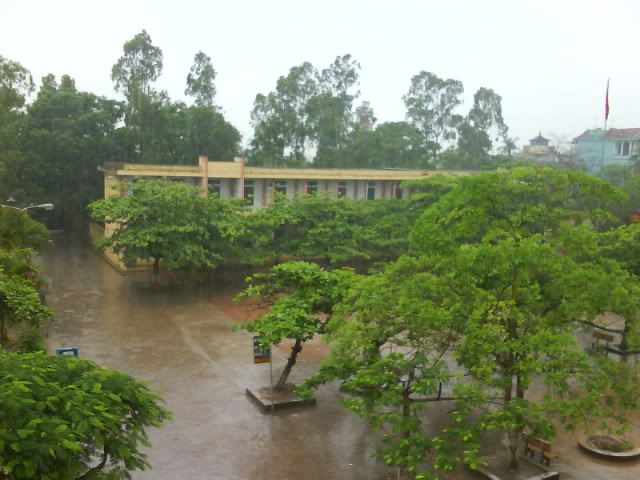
x,y
182,344
180,340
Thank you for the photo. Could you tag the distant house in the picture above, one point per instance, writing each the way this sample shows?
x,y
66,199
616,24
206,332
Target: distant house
x,y
597,149
538,150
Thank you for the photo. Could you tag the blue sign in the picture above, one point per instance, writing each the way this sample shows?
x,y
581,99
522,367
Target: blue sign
x,y
67,351
260,355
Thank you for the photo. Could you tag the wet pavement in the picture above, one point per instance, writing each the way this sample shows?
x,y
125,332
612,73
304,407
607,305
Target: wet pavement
x,y
180,340
182,344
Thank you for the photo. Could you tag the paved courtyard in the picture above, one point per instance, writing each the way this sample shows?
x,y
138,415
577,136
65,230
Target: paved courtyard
x,y
182,343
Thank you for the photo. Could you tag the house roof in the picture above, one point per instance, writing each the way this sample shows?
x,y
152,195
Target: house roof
x,y
611,134
622,133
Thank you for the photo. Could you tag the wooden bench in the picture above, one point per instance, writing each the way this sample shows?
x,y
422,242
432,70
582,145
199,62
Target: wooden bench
x,y
541,447
606,339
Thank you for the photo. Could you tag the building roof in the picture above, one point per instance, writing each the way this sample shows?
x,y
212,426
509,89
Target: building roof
x,y
623,133
236,169
539,138
611,134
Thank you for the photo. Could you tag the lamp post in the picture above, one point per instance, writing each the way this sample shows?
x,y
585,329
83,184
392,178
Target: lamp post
x,y
45,206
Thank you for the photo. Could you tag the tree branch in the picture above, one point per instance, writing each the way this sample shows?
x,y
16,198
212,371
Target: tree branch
x,y
606,329
98,467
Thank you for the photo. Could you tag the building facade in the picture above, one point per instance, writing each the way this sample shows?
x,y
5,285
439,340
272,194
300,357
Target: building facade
x,y
538,151
258,185
597,149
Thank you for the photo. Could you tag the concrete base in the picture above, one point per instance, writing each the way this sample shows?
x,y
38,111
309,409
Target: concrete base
x,y
270,401
586,445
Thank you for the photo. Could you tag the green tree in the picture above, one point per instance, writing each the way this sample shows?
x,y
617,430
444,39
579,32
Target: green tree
x,y
71,133
139,66
299,315
280,119
15,85
488,308
19,230
431,103
200,81
68,418
390,145
331,109
133,75
478,133
20,302
331,230
172,222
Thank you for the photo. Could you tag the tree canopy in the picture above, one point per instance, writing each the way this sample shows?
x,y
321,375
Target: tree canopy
x,y
67,418
169,221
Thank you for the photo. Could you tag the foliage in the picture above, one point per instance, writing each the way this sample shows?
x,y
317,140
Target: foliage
x,y
168,221
389,145
67,418
139,66
280,119
477,134
519,202
20,302
329,229
18,230
431,102
503,277
15,84
300,297
200,81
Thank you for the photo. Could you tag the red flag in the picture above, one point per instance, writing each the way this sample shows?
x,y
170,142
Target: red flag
x,y
606,104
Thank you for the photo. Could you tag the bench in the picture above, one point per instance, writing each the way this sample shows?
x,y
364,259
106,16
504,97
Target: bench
x,y
540,447
606,338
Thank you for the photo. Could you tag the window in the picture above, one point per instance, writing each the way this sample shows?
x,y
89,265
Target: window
x,y
248,191
342,189
312,188
214,186
398,192
281,186
371,190
623,148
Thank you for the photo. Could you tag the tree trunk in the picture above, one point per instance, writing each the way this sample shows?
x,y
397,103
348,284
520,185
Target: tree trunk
x,y
512,440
624,343
295,350
156,270
3,333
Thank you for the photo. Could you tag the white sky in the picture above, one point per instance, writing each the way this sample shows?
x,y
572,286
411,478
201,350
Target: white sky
x,y
549,59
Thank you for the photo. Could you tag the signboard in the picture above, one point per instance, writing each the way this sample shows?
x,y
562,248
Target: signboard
x,y
67,351
260,355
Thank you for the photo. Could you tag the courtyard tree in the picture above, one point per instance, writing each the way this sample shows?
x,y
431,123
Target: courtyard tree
x,y
326,229
19,230
20,302
169,222
69,419
300,297
484,317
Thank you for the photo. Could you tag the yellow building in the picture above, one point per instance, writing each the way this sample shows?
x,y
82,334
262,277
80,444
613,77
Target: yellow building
x,y
258,184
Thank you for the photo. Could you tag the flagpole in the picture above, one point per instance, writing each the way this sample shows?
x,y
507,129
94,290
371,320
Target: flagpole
x,y
606,117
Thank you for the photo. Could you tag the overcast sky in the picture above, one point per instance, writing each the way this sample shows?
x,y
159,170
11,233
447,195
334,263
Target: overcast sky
x,y
549,60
